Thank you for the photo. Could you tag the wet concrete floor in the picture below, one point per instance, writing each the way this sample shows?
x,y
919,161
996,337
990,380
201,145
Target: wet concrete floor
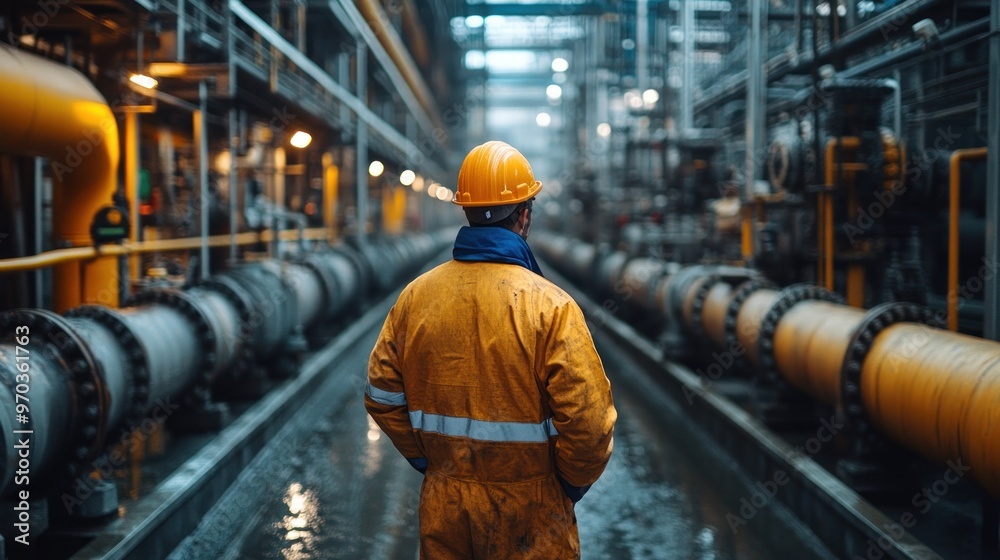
x,y
332,486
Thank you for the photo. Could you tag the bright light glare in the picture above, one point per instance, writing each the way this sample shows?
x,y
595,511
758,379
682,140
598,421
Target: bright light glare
x,y
560,65
301,139
474,22
143,81
475,60
633,99
543,119
553,91
376,168
407,177
443,194
418,184
604,130
432,190
650,96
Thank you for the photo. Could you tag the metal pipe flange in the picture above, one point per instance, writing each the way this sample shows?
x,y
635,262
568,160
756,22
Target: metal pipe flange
x,y
135,353
698,304
743,291
787,299
876,320
89,424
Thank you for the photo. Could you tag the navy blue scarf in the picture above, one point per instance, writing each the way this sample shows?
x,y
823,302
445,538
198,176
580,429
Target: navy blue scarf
x,y
494,244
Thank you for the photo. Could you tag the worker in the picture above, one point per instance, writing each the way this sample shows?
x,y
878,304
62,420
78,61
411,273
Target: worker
x,y
486,379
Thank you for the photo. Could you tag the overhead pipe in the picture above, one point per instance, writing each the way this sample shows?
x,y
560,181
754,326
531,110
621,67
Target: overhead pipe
x,y
416,34
851,42
376,18
52,110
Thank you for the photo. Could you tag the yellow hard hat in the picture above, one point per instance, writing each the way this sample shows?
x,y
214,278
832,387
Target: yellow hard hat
x,y
495,174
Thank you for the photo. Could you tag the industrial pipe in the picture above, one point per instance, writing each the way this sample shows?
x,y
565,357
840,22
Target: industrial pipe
x,y
927,389
51,110
825,210
954,198
809,346
936,392
99,369
713,314
394,46
748,320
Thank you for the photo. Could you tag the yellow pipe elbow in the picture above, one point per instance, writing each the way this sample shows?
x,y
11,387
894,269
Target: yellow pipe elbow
x,y
51,110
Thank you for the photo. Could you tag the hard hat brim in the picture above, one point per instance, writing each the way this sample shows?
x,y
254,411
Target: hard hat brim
x,y
531,192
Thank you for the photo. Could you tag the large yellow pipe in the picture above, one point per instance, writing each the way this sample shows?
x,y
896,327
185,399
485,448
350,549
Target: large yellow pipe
x,y
51,110
936,392
810,342
749,317
954,197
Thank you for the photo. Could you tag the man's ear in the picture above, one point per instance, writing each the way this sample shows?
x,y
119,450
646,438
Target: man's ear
x,y
522,220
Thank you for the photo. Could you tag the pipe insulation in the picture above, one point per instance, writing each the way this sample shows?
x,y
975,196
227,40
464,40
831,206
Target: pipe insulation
x,y
932,391
938,393
748,321
810,342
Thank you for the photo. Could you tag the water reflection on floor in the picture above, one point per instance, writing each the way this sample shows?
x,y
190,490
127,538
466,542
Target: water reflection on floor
x,y
337,489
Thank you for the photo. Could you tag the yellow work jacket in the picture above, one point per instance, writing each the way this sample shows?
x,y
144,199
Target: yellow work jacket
x,y
489,372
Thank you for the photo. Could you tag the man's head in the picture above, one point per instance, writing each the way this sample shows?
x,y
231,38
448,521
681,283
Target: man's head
x,y
496,187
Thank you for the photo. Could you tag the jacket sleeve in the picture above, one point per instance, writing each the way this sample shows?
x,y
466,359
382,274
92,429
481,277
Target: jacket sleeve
x,y
385,398
580,399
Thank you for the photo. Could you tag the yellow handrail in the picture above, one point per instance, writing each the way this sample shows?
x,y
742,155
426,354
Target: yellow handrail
x,y
77,254
955,183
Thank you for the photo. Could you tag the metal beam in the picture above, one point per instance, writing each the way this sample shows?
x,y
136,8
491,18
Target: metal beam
x,y
381,128
991,320
756,95
553,9
356,23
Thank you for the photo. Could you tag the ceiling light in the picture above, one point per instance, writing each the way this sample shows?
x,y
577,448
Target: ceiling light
x,y
560,65
300,139
376,168
543,119
143,80
553,92
407,177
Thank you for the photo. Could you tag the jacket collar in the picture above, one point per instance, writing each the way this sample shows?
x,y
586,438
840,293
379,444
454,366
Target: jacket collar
x,y
494,244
